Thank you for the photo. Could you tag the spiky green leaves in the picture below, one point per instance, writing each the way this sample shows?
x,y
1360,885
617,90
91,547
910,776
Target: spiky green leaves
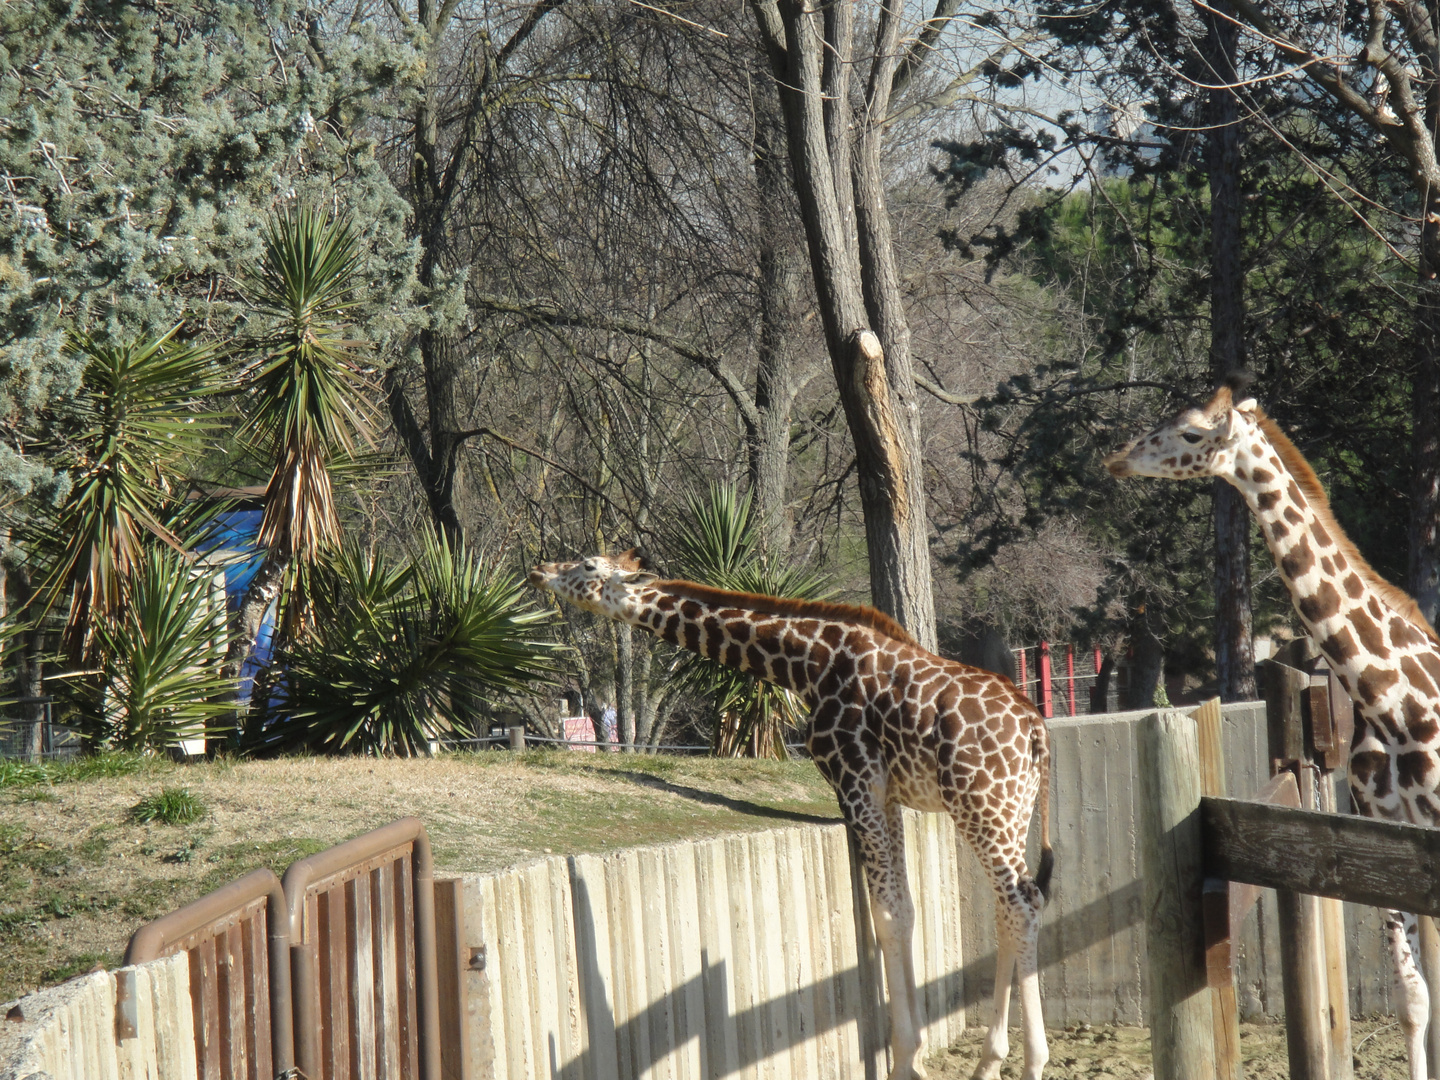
x,y
159,660
722,550
396,658
308,397
142,412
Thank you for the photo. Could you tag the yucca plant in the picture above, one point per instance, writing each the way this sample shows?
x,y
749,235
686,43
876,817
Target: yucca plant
x,y
306,399
140,413
158,663
722,550
395,657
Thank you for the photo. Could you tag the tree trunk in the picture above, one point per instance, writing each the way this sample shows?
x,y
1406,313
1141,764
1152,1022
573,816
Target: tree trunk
x,y
1234,635
29,665
624,697
1100,695
780,288
1147,664
838,181
1425,405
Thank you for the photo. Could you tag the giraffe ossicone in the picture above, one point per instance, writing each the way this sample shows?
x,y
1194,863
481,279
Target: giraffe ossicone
x,y
1374,636
891,725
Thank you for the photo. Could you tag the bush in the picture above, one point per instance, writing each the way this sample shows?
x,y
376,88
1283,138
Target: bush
x,y
395,658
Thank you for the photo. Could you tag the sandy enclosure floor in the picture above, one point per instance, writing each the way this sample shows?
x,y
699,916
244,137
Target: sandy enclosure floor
x,y
1123,1053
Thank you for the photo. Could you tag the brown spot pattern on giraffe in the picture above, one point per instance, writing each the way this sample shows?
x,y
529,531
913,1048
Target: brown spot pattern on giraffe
x,y
1340,646
1372,638
1374,682
1298,560
1417,677
1323,603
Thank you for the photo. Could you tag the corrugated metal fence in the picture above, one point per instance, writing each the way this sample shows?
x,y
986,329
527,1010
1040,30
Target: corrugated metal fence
x,y
744,956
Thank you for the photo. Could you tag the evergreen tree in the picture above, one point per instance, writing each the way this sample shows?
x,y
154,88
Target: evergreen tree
x,y
142,146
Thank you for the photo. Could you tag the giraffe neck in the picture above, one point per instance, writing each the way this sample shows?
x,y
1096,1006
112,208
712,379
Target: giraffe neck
x,y
1361,624
782,649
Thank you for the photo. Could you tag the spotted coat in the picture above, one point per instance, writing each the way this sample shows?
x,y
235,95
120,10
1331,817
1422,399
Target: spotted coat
x,y
891,725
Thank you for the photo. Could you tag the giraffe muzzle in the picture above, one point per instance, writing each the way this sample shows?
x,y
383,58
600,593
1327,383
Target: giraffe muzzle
x,y
1119,462
541,576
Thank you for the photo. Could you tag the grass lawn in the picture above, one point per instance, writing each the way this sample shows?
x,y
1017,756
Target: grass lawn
x,y
81,868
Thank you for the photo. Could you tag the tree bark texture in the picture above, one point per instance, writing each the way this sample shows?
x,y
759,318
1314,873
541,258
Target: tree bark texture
x,y
1234,631
264,588
781,289
834,156
1147,664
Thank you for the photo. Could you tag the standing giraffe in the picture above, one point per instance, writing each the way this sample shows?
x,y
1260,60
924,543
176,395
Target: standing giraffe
x,y
1385,653
891,725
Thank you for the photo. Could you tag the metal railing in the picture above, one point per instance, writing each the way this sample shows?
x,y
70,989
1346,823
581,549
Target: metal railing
x,y
343,950
362,916
238,941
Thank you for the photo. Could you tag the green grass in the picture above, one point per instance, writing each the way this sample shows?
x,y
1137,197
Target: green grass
x,y
173,806
29,774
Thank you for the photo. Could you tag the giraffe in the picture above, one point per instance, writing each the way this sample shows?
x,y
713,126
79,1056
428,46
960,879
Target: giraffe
x,y
1385,653
891,725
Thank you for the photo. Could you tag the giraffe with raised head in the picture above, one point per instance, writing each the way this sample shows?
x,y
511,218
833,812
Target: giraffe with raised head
x,y
1382,648
891,725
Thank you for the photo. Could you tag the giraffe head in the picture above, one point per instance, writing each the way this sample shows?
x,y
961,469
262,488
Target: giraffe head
x,y
604,584
1195,442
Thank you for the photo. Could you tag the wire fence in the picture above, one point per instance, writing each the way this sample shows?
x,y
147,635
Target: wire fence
x,y
28,731
1063,680
526,740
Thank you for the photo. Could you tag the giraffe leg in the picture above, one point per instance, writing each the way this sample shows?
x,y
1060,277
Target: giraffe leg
x,y
1410,990
881,836
1017,932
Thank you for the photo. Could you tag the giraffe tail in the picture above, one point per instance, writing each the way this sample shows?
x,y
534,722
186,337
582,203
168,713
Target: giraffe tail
x,y
1040,754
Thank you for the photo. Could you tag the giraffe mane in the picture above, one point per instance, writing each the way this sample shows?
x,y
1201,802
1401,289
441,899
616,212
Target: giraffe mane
x,y
1396,598
789,607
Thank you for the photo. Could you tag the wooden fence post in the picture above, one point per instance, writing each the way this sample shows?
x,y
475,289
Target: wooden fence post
x,y
1209,731
517,738
1302,955
1181,1019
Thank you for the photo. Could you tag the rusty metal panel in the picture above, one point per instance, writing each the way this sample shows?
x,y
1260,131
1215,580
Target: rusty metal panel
x,y
206,997
385,933
405,961
333,938
363,1034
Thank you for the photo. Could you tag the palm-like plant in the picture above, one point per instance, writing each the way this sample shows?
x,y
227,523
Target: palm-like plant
x,y
722,551
307,398
159,659
138,416
396,656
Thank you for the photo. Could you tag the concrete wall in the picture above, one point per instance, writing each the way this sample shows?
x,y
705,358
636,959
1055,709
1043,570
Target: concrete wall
x,y
68,1032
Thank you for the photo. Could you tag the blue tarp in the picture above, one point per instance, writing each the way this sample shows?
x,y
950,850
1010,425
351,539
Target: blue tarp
x,y
232,536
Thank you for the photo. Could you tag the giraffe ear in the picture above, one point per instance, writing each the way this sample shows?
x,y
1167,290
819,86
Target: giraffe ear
x,y
637,577
1249,405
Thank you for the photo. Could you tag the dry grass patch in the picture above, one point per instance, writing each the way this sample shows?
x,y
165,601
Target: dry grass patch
x,y
79,873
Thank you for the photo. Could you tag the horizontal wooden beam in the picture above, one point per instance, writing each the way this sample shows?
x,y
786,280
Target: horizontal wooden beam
x,y
1364,861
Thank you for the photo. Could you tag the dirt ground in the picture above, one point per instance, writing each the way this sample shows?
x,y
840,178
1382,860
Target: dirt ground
x,y
1123,1053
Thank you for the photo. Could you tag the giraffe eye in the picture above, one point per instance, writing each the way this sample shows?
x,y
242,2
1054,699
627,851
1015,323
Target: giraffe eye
x,y
1190,436
589,564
